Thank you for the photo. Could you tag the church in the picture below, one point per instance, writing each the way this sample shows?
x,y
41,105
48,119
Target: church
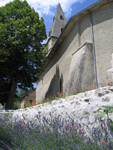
x,y
80,51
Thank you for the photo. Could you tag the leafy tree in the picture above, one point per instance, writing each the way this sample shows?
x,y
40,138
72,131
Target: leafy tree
x,y
19,96
22,93
22,55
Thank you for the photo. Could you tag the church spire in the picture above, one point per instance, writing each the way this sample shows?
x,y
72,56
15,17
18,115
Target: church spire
x,y
59,22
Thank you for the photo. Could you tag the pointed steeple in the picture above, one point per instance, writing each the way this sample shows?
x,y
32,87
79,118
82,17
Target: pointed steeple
x,y
59,22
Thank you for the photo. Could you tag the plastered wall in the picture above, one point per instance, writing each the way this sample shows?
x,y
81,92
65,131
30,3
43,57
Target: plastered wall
x,y
31,96
103,38
58,69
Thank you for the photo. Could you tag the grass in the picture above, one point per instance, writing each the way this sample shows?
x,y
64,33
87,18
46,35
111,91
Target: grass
x,y
56,134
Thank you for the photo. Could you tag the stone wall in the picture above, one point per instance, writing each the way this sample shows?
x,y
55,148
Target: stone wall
x,y
51,42
81,108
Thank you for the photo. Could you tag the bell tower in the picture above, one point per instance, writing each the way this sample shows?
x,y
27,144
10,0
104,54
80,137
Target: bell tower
x,y
59,22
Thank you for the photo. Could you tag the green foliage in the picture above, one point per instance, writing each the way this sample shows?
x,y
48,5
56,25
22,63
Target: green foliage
x,y
15,106
22,93
19,96
27,104
106,111
45,48
21,53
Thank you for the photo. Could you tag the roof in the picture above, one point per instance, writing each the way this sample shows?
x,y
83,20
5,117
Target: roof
x,y
70,25
58,23
26,94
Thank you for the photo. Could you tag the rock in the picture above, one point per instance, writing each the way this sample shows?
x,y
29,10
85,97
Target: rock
x,y
72,97
80,95
80,107
1,106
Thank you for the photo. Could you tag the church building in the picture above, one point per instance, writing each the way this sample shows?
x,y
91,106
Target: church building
x,y
80,51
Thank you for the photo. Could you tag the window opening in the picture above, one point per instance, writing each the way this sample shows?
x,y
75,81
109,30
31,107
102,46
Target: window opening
x,y
62,29
30,101
61,17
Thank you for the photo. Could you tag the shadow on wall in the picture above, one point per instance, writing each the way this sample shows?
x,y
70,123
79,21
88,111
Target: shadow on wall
x,y
81,69
56,84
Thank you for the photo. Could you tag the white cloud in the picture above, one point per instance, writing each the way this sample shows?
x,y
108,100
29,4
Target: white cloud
x,y
43,6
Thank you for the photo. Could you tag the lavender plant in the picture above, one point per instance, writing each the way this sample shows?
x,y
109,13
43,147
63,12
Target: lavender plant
x,y
59,135
54,134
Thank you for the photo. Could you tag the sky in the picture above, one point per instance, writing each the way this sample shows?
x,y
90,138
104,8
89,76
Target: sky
x,y
47,9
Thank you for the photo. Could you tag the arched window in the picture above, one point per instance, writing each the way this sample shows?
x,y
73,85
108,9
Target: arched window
x,y
62,29
61,17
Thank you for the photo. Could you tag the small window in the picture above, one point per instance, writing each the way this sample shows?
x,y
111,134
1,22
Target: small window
x,y
61,17
30,101
62,29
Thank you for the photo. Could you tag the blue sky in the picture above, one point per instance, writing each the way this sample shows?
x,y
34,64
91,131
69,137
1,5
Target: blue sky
x,y
47,9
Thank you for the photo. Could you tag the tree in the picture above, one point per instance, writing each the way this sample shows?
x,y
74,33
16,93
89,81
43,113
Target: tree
x,y
22,93
19,96
22,32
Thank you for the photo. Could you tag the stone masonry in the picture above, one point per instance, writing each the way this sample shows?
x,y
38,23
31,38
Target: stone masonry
x,y
80,107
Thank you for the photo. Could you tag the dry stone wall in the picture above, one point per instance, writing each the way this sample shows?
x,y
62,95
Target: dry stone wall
x,y
80,107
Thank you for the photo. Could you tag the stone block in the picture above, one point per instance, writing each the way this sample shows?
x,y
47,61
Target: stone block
x,y
1,107
72,97
80,95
